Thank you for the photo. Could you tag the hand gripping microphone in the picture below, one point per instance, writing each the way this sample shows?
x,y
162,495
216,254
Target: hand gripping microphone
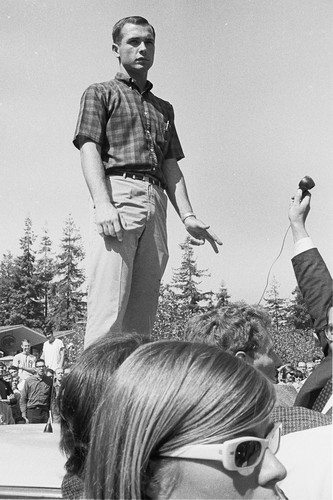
x,y
305,184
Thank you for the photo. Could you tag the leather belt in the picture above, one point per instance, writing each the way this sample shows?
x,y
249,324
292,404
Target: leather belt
x,y
139,177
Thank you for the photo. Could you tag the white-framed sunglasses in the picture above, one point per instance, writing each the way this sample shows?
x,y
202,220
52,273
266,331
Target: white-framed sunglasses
x,y
236,454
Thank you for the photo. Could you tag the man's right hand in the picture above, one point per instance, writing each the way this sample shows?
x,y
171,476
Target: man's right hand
x,y
109,221
299,208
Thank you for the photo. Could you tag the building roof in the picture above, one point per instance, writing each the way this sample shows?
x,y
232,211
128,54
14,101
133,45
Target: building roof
x,y
11,337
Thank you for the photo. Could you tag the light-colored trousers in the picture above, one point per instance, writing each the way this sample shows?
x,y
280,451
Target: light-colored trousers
x,y
124,277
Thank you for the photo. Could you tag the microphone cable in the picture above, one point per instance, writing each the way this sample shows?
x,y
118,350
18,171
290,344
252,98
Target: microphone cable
x,y
269,272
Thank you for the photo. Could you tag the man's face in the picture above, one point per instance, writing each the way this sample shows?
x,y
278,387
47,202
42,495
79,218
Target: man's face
x,y
59,374
309,368
265,358
15,382
25,347
7,377
302,367
40,368
136,49
50,337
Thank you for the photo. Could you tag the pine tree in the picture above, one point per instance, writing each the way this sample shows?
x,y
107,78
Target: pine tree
x,y
298,314
69,306
185,279
222,296
26,305
182,298
46,271
277,307
7,273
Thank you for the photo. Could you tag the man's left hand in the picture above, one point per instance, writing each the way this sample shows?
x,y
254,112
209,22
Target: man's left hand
x,y
200,232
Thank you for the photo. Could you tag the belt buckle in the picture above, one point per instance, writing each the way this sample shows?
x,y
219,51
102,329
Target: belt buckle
x,y
146,178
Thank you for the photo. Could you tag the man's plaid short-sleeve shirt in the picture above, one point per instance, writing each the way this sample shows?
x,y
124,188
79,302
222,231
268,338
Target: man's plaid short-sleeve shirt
x,y
136,131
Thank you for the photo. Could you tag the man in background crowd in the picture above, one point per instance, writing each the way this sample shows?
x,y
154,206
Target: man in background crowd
x,y
244,331
25,361
36,396
53,351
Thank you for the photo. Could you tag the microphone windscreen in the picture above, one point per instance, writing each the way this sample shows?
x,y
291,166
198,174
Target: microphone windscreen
x,y
306,183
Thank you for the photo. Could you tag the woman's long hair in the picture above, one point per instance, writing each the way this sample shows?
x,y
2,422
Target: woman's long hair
x,y
81,390
166,395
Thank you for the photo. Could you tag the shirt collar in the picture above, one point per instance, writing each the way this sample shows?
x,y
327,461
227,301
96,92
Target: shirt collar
x,y
131,82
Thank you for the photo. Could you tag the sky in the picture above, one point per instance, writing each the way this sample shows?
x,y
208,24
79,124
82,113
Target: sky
x,y
251,85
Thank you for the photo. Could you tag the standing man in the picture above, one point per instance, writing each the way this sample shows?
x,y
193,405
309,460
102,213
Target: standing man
x,y
53,351
129,151
36,396
24,361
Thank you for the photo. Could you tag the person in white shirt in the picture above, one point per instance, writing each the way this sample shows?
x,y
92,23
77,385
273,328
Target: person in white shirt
x,y
25,361
53,352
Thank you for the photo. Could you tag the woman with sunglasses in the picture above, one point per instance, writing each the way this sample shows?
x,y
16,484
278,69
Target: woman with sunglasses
x,y
180,420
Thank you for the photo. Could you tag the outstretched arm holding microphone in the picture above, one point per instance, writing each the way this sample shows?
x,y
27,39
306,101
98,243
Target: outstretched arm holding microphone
x,y
316,285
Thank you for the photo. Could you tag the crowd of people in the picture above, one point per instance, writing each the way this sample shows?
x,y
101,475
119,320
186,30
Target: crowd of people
x,y
29,386
201,417
296,376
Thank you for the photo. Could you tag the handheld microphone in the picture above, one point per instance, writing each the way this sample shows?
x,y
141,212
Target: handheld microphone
x,y
306,183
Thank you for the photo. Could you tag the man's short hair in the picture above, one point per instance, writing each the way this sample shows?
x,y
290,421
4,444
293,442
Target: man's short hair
x,y
48,327
117,28
40,360
12,367
233,328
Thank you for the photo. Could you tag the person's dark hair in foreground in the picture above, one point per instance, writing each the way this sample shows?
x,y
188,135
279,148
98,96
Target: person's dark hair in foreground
x,y
79,395
163,417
